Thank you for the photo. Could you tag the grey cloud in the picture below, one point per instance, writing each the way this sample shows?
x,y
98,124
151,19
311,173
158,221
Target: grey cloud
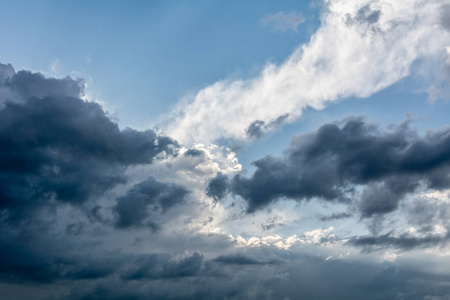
x,y
236,260
429,219
218,187
445,16
403,241
6,71
157,266
305,277
56,146
366,14
23,261
89,272
146,199
331,162
194,153
20,86
258,128
335,216
381,198
242,260
272,222
423,215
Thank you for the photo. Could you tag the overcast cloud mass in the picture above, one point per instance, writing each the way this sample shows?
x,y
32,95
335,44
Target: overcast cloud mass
x,y
205,205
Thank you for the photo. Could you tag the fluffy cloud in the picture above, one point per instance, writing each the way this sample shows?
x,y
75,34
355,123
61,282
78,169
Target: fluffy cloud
x,y
360,48
58,147
338,160
145,199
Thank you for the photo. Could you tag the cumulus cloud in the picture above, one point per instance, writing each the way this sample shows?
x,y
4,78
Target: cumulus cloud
x,y
335,161
217,187
58,147
361,47
145,199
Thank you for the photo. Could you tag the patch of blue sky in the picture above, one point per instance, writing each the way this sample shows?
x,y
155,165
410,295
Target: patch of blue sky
x,y
143,58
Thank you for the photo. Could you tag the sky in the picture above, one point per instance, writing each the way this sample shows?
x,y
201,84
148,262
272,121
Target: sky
x,y
225,150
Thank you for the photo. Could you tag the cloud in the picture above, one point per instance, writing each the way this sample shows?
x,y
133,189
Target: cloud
x,y
337,160
236,260
217,187
58,147
361,47
283,21
258,128
445,16
58,260
145,199
335,216
404,241
304,277
6,71
20,86
157,266
367,15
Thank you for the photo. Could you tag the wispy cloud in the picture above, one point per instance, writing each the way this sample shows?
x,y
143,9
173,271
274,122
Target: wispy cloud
x,y
362,47
55,66
283,21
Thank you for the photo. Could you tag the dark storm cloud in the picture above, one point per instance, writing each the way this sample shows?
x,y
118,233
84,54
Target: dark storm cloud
x,y
58,149
20,86
28,254
51,260
157,266
304,277
380,198
144,200
331,162
218,187
56,146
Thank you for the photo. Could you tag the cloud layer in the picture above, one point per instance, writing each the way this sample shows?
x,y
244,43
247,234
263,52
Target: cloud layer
x,y
92,211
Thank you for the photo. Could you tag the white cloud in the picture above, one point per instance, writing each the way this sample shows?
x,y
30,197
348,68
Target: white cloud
x,y
271,240
320,236
283,21
55,66
361,48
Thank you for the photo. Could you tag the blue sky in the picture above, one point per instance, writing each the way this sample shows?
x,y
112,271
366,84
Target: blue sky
x,y
150,54
225,149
